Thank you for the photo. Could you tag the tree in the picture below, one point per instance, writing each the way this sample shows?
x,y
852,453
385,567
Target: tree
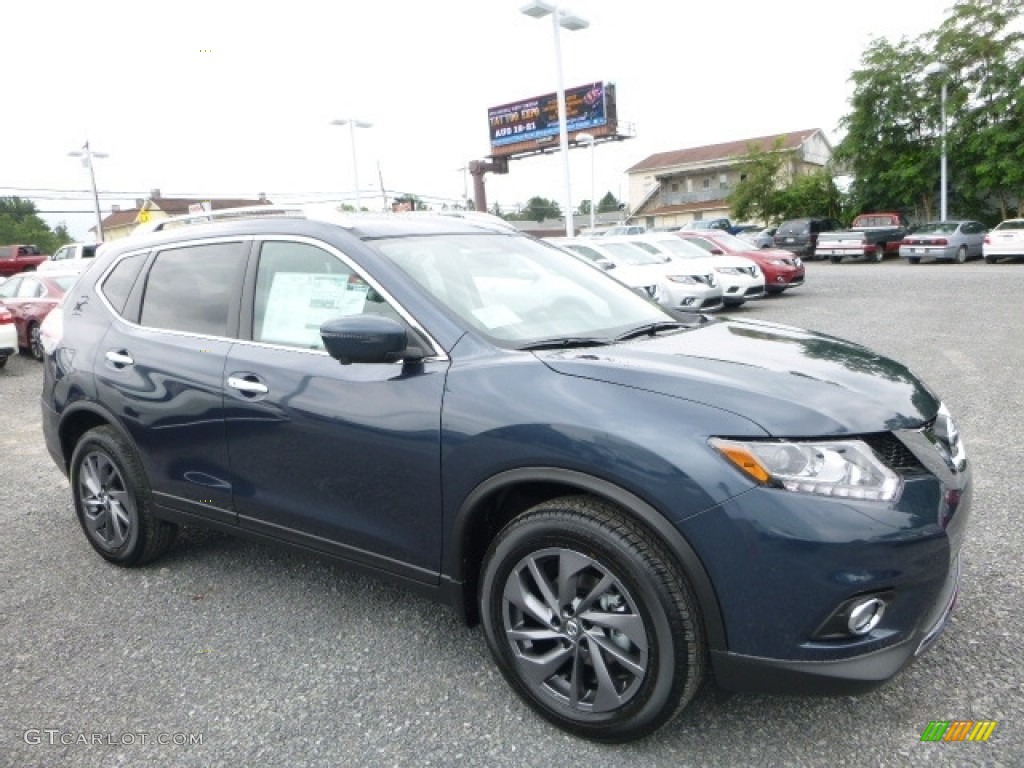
x,y
983,49
809,194
893,132
756,195
540,208
584,208
608,204
20,223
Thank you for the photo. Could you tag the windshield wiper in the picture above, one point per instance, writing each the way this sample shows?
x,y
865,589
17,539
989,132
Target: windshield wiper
x,y
567,342
651,329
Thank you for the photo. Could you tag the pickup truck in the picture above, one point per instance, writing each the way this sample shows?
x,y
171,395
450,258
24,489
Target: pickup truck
x,y
73,257
20,258
872,236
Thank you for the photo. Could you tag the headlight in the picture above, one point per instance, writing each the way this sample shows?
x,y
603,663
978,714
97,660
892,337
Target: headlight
x,y
687,279
846,469
777,262
729,270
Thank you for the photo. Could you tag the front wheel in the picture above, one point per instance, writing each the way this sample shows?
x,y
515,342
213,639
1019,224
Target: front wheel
x,y
590,620
112,500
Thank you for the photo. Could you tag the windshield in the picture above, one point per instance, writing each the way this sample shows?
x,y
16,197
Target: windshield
x,y
678,248
516,291
628,253
731,242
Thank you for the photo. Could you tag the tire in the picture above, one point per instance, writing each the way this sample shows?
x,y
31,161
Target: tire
x,y
112,500
603,678
835,259
878,255
3,361
914,259
961,254
35,346
990,259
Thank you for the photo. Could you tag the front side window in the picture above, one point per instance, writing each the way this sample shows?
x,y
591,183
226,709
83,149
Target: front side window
x,y
299,286
192,288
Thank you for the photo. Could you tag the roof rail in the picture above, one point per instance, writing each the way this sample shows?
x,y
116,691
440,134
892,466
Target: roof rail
x,y
224,214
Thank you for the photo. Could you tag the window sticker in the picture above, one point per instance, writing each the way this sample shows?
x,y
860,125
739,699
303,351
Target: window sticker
x,y
300,302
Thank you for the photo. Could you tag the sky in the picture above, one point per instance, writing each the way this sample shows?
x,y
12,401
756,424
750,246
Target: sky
x,y
230,99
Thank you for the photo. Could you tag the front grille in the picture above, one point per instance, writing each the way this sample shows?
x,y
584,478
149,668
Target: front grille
x,y
894,453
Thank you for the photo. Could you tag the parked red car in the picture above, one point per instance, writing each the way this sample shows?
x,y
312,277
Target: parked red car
x,y
782,269
30,297
20,258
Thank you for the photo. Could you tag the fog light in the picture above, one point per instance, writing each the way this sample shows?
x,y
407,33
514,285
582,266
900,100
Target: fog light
x,y
780,279
864,616
686,302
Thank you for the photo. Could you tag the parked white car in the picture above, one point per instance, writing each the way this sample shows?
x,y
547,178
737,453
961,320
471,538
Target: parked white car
x,y
740,278
1006,240
70,258
626,263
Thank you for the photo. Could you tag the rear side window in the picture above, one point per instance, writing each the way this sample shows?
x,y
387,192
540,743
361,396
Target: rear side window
x,y
192,289
122,277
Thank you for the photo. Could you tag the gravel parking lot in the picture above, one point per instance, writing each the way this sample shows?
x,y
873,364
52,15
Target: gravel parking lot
x,y
230,653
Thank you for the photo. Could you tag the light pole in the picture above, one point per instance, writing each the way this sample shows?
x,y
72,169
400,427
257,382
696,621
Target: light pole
x,y
586,138
87,155
560,17
464,170
938,68
352,124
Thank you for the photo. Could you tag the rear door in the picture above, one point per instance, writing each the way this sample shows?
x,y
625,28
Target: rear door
x,y
160,368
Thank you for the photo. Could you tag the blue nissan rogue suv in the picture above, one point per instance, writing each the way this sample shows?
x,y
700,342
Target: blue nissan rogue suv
x,y
629,502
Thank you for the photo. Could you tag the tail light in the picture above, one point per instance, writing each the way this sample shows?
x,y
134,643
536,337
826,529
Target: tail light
x,y
6,318
987,241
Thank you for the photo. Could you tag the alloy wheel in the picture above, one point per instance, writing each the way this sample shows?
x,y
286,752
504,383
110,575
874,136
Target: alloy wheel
x,y
108,508
574,630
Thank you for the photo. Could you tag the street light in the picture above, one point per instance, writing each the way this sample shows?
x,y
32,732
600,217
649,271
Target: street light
x,y
352,124
938,68
87,155
586,138
560,17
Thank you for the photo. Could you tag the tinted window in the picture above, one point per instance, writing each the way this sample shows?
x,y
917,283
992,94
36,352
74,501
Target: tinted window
x,y
798,227
299,286
122,277
191,289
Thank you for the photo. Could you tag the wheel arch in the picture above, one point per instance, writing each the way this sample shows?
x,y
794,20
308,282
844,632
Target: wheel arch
x,y
78,420
501,498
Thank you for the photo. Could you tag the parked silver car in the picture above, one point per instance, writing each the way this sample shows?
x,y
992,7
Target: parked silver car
x,y
957,241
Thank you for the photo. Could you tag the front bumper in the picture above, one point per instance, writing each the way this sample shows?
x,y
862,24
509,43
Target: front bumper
x,y
858,674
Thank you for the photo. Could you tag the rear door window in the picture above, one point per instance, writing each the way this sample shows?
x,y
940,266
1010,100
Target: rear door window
x,y
195,289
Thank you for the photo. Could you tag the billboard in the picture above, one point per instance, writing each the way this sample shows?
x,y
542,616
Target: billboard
x,y
586,107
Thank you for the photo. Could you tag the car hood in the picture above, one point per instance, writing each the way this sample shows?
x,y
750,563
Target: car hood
x,y
790,382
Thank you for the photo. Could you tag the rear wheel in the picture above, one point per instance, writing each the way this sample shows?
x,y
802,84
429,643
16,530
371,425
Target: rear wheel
x,y
879,254
990,259
835,259
3,360
35,345
112,500
590,620
961,254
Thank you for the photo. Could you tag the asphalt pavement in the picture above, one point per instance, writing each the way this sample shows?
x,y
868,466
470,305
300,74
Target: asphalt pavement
x,y
229,653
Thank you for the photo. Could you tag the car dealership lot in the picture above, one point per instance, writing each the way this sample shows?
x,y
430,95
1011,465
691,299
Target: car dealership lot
x,y
269,658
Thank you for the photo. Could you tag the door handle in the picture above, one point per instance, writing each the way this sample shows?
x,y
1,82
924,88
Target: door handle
x,y
247,385
119,359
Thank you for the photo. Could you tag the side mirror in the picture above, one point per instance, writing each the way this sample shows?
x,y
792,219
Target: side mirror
x,y
717,252
367,339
